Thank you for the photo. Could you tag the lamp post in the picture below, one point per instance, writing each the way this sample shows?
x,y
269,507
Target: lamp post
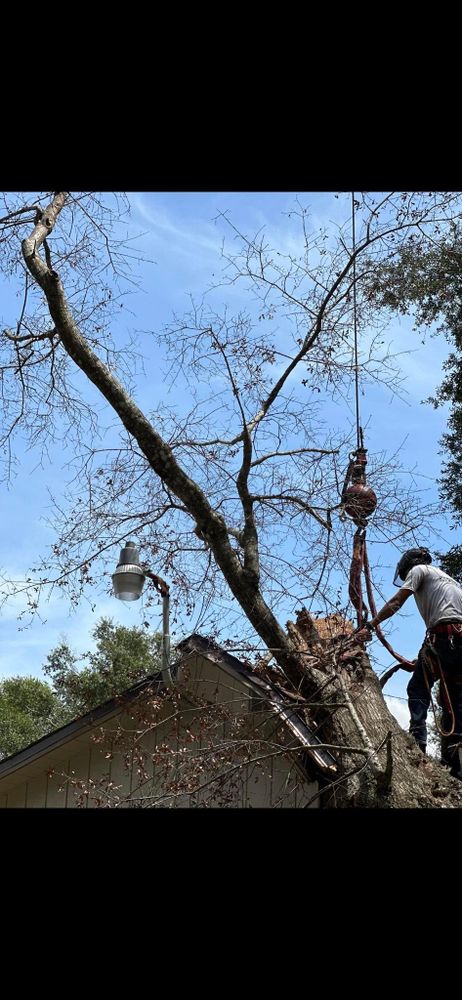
x,y
128,582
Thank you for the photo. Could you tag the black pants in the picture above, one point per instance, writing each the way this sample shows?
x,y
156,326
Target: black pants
x,y
449,650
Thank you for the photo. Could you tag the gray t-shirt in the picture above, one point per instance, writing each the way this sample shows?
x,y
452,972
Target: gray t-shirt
x,y
437,595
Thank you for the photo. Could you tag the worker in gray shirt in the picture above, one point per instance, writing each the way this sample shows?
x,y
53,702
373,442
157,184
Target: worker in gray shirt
x,y
439,600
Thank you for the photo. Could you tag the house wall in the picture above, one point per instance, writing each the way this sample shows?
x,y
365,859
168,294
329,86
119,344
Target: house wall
x,y
91,771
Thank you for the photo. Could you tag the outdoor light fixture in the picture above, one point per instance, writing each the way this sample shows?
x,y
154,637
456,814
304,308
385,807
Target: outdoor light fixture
x,y
128,582
128,579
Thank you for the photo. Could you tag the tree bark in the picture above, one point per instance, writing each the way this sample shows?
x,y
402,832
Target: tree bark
x,y
379,766
392,773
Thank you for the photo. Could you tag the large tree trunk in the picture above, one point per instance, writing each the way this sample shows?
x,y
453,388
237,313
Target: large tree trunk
x,y
390,772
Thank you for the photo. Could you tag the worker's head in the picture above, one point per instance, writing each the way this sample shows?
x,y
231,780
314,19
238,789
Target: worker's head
x,y
409,559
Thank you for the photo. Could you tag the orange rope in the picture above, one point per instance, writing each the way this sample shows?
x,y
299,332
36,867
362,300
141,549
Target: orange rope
x,y
431,657
356,568
380,635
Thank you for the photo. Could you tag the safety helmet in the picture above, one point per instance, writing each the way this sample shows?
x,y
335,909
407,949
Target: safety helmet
x,y
409,559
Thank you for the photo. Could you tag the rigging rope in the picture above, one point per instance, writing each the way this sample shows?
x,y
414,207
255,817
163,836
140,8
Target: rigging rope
x,y
358,499
359,432
432,661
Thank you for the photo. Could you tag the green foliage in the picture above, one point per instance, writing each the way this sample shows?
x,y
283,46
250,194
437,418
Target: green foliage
x,y
451,562
122,657
427,283
30,708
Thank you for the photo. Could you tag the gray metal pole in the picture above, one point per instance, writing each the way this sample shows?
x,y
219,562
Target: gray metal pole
x,y
166,675
134,579
163,588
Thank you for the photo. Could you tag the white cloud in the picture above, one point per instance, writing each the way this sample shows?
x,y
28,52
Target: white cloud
x,y
399,709
197,235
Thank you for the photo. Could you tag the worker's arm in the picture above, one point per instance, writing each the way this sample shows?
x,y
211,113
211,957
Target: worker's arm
x,y
392,606
389,609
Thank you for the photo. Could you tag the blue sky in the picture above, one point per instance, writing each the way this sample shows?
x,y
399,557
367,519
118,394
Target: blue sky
x,y
183,240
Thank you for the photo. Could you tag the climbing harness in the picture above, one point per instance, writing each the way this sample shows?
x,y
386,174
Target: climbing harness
x,y
430,654
432,666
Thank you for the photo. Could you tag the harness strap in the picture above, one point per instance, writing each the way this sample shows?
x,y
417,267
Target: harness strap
x,y
431,658
447,628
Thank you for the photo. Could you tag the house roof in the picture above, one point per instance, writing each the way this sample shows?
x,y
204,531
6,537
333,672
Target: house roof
x,y
194,644
75,728
266,690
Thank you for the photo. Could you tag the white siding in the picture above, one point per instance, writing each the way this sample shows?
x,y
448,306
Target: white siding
x,y
275,781
37,792
17,796
78,771
56,794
